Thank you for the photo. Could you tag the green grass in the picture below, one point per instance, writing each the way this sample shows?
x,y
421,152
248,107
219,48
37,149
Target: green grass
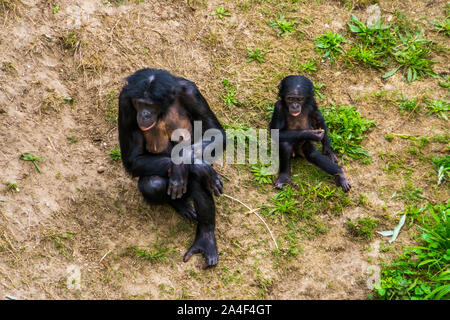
x,y
261,174
438,107
11,187
221,12
27,156
421,272
256,55
347,130
363,228
443,26
310,66
284,27
442,166
330,45
115,154
229,96
159,253
412,105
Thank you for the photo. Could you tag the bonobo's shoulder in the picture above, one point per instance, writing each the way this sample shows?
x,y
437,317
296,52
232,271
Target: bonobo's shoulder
x,y
187,87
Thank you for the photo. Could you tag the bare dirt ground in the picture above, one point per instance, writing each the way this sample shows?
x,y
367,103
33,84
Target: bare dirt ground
x,y
66,232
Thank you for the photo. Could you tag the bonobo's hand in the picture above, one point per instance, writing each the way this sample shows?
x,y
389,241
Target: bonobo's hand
x,y
316,135
178,179
210,178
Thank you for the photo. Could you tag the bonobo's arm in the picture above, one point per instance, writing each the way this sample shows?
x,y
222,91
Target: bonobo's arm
x,y
318,122
278,121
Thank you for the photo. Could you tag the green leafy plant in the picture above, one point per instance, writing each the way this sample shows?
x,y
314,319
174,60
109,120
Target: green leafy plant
x,y
347,129
27,156
363,227
261,174
438,107
159,253
330,44
229,97
221,12
421,272
115,154
284,26
442,165
443,26
413,55
256,55
310,66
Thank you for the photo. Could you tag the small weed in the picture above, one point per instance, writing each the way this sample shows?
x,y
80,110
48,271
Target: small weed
x,y
229,97
413,105
70,41
261,174
310,66
56,9
443,26
363,228
72,139
27,156
221,12
115,154
256,55
438,107
330,44
11,187
442,165
159,253
285,27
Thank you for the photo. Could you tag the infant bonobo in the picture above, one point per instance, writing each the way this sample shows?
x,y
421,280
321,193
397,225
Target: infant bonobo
x,y
301,123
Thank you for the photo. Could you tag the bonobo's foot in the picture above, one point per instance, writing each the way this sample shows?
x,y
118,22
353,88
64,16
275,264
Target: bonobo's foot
x,y
342,181
205,242
184,208
282,179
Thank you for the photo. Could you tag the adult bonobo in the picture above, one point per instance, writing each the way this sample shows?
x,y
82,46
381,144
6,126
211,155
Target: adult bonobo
x,y
300,123
152,105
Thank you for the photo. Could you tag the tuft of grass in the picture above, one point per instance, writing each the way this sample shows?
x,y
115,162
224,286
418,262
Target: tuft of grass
x,y
438,107
11,187
412,54
159,253
256,55
229,96
115,154
421,272
413,105
70,41
261,174
442,165
330,44
347,130
310,66
443,26
221,12
285,27
363,228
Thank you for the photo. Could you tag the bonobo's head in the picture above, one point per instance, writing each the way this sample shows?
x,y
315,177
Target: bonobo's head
x,y
156,94
295,92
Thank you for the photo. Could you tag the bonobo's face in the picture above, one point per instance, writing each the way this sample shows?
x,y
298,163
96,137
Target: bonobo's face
x,y
294,102
146,113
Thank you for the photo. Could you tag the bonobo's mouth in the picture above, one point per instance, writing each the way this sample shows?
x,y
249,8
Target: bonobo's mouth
x,y
147,128
295,114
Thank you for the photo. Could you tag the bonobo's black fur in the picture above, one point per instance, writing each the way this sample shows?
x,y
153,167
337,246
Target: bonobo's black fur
x,y
157,174
300,122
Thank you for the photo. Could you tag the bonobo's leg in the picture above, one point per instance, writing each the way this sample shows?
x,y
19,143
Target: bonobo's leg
x,y
154,190
326,164
285,153
205,240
